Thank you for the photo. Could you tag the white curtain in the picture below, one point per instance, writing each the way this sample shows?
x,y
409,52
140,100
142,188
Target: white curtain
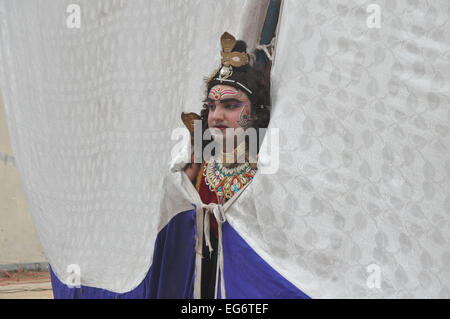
x,y
91,111
360,205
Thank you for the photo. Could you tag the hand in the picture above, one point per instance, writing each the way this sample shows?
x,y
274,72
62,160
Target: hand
x,y
192,169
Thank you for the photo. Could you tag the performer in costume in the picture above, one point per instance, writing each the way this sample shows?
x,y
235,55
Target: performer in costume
x,y
237,98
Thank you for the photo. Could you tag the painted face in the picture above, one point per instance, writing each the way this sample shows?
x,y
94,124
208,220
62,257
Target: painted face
x,y
228,108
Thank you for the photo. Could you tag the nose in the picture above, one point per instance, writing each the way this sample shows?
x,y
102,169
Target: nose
x,y
218,114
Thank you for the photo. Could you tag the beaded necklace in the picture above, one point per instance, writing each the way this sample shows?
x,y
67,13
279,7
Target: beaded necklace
x,y
226,181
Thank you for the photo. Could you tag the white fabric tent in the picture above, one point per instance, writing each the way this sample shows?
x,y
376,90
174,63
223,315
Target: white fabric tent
x,y
362,114
90,113
364,152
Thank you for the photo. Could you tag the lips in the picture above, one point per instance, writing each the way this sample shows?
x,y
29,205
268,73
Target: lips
x,y
220,127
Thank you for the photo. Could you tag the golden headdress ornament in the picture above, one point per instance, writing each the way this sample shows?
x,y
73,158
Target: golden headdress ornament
x,y
230,59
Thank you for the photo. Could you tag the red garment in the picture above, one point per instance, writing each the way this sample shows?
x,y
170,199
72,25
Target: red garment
x,y
208,196
218,195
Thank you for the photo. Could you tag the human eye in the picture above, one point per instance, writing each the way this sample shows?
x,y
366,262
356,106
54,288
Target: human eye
x,y
209,105
232,106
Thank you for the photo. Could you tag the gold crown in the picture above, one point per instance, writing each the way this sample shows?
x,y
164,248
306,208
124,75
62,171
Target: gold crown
x,y
235,59
229,58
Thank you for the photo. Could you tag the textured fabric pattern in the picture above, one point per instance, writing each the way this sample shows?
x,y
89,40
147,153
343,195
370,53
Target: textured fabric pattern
x,y
90,113
363,116
248,276
170,276
364,174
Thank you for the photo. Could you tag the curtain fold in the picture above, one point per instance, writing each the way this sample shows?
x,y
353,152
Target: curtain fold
x,y
359,205
90,112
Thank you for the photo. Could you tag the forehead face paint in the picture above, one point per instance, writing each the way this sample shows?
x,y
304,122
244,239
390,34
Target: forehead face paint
x,y
219,93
